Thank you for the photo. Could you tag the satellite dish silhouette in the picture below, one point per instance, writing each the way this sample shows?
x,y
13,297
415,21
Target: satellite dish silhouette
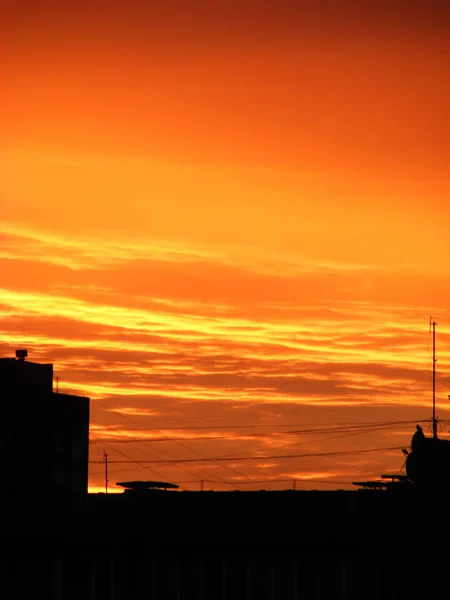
x,y
138,486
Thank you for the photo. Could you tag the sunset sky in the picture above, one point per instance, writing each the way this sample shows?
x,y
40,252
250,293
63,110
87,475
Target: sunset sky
x,y
230,220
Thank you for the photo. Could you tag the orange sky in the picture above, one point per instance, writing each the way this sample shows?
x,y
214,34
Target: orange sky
x,y
228,214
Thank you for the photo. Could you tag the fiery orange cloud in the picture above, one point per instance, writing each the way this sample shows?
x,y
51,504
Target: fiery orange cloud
x,y
226,224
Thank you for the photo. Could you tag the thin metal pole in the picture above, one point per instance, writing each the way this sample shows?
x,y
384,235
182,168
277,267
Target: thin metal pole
x,y
105,460
434,381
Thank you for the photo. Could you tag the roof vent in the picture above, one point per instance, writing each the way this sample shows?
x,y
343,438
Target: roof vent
x,y
21,354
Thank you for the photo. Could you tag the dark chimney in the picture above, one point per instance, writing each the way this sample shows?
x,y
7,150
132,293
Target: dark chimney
x,y
21,354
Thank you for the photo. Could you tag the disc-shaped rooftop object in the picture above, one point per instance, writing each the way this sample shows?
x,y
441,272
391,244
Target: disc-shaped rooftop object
x,y
147,485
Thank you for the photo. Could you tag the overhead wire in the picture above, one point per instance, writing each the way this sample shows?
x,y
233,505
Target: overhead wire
x,y
255,425
333,437
141,464
219,479
271,457
177,442
345,430
350,428
115,470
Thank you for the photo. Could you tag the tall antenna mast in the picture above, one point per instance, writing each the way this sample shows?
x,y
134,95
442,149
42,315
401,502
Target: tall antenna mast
x,y
433,323
105,460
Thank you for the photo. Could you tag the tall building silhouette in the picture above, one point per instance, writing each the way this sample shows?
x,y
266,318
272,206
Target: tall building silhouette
x,y
44,435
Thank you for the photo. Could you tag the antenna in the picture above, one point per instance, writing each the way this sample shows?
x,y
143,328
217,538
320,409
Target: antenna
x,y
433,324
105,460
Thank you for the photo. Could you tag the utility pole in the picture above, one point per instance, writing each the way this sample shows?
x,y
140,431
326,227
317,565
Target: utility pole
x,y
57,385
433,323
105,460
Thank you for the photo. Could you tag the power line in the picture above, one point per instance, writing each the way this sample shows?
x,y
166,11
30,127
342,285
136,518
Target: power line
x,y
350,429
313,429
242,458
315,441
101,472
253,425
218,479
138,462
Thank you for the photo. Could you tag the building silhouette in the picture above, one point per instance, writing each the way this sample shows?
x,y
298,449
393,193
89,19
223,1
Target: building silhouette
x,y
44,435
